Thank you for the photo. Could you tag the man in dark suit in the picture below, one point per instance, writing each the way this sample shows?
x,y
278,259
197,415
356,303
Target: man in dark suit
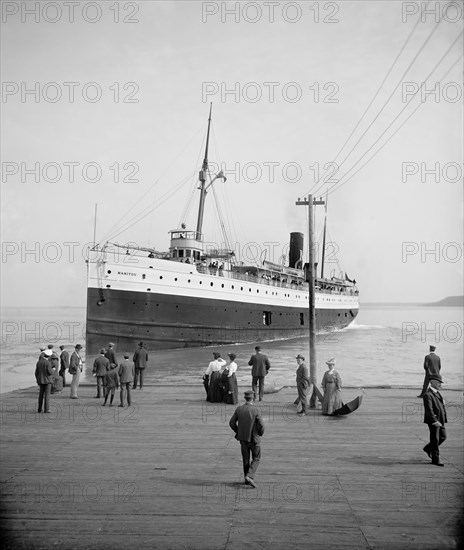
x,y
101,366
126,377
432,365
140,361
111,355
259,368
248,426
435,418
44,376
64,364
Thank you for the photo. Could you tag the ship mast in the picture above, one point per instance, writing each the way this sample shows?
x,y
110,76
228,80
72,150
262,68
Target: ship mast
x,y
202,178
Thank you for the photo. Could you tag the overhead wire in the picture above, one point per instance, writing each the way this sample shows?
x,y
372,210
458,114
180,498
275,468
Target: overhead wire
x,y
387,100
406,42
338,185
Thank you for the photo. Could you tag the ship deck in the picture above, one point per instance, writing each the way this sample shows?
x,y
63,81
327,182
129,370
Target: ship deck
x,y
166,474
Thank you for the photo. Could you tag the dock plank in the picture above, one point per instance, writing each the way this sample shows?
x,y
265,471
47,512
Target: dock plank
x,y
166,473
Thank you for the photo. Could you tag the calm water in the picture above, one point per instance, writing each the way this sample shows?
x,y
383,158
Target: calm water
x,y
385,345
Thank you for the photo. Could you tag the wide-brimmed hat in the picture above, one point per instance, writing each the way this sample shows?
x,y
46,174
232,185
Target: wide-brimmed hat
x,y
330,361
436,377
299,356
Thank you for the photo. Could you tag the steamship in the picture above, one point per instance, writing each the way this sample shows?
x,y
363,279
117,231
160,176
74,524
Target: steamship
x,y
192,296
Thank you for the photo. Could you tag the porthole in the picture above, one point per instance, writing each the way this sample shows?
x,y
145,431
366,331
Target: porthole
x,y
109,270
108,286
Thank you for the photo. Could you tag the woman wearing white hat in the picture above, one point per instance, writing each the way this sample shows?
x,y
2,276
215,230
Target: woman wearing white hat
x,y
331,384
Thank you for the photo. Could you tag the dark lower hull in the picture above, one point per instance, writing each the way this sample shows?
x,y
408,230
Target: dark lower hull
x,y
169,322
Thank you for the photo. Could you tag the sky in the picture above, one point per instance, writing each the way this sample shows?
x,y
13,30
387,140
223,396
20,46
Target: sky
x,y
105,106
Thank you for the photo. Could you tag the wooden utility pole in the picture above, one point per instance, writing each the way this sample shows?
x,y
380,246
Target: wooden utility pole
x,y
309,202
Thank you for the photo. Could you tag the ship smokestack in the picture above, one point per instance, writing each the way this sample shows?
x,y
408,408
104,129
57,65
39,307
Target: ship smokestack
x,y
296,250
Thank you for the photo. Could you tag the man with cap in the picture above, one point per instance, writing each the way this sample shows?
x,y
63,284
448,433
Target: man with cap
x,y
110,354
76,364
303,384
64,364
435,418
140,361
126,377
432,365
44,377
101,366
259,368
248,426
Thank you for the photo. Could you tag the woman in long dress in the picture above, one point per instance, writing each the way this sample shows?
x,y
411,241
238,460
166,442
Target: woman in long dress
x,y
214,394
229,381
331,384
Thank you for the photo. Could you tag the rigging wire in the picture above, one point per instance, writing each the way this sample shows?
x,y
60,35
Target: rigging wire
x,y
150,208
108,234
338,185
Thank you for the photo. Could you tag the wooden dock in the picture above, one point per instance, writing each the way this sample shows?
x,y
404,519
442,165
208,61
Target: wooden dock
x,y
166,474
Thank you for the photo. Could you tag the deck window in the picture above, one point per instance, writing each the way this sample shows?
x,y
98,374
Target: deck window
x,y
267,318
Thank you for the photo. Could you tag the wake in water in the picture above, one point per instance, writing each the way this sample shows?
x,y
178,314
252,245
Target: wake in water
x,y
354,326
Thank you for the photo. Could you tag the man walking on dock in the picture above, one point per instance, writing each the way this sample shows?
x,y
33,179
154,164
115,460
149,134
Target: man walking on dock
x,y
259,368
432,365
248,426
435,418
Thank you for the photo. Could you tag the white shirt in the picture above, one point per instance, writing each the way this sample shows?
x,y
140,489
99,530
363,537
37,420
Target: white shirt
x,y
232,366
215,366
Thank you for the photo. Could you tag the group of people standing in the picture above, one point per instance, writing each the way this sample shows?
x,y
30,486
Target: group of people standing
x,y
50,373
220,380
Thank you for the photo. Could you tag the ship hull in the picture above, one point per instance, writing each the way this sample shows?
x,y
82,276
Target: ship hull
x,y
164,321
